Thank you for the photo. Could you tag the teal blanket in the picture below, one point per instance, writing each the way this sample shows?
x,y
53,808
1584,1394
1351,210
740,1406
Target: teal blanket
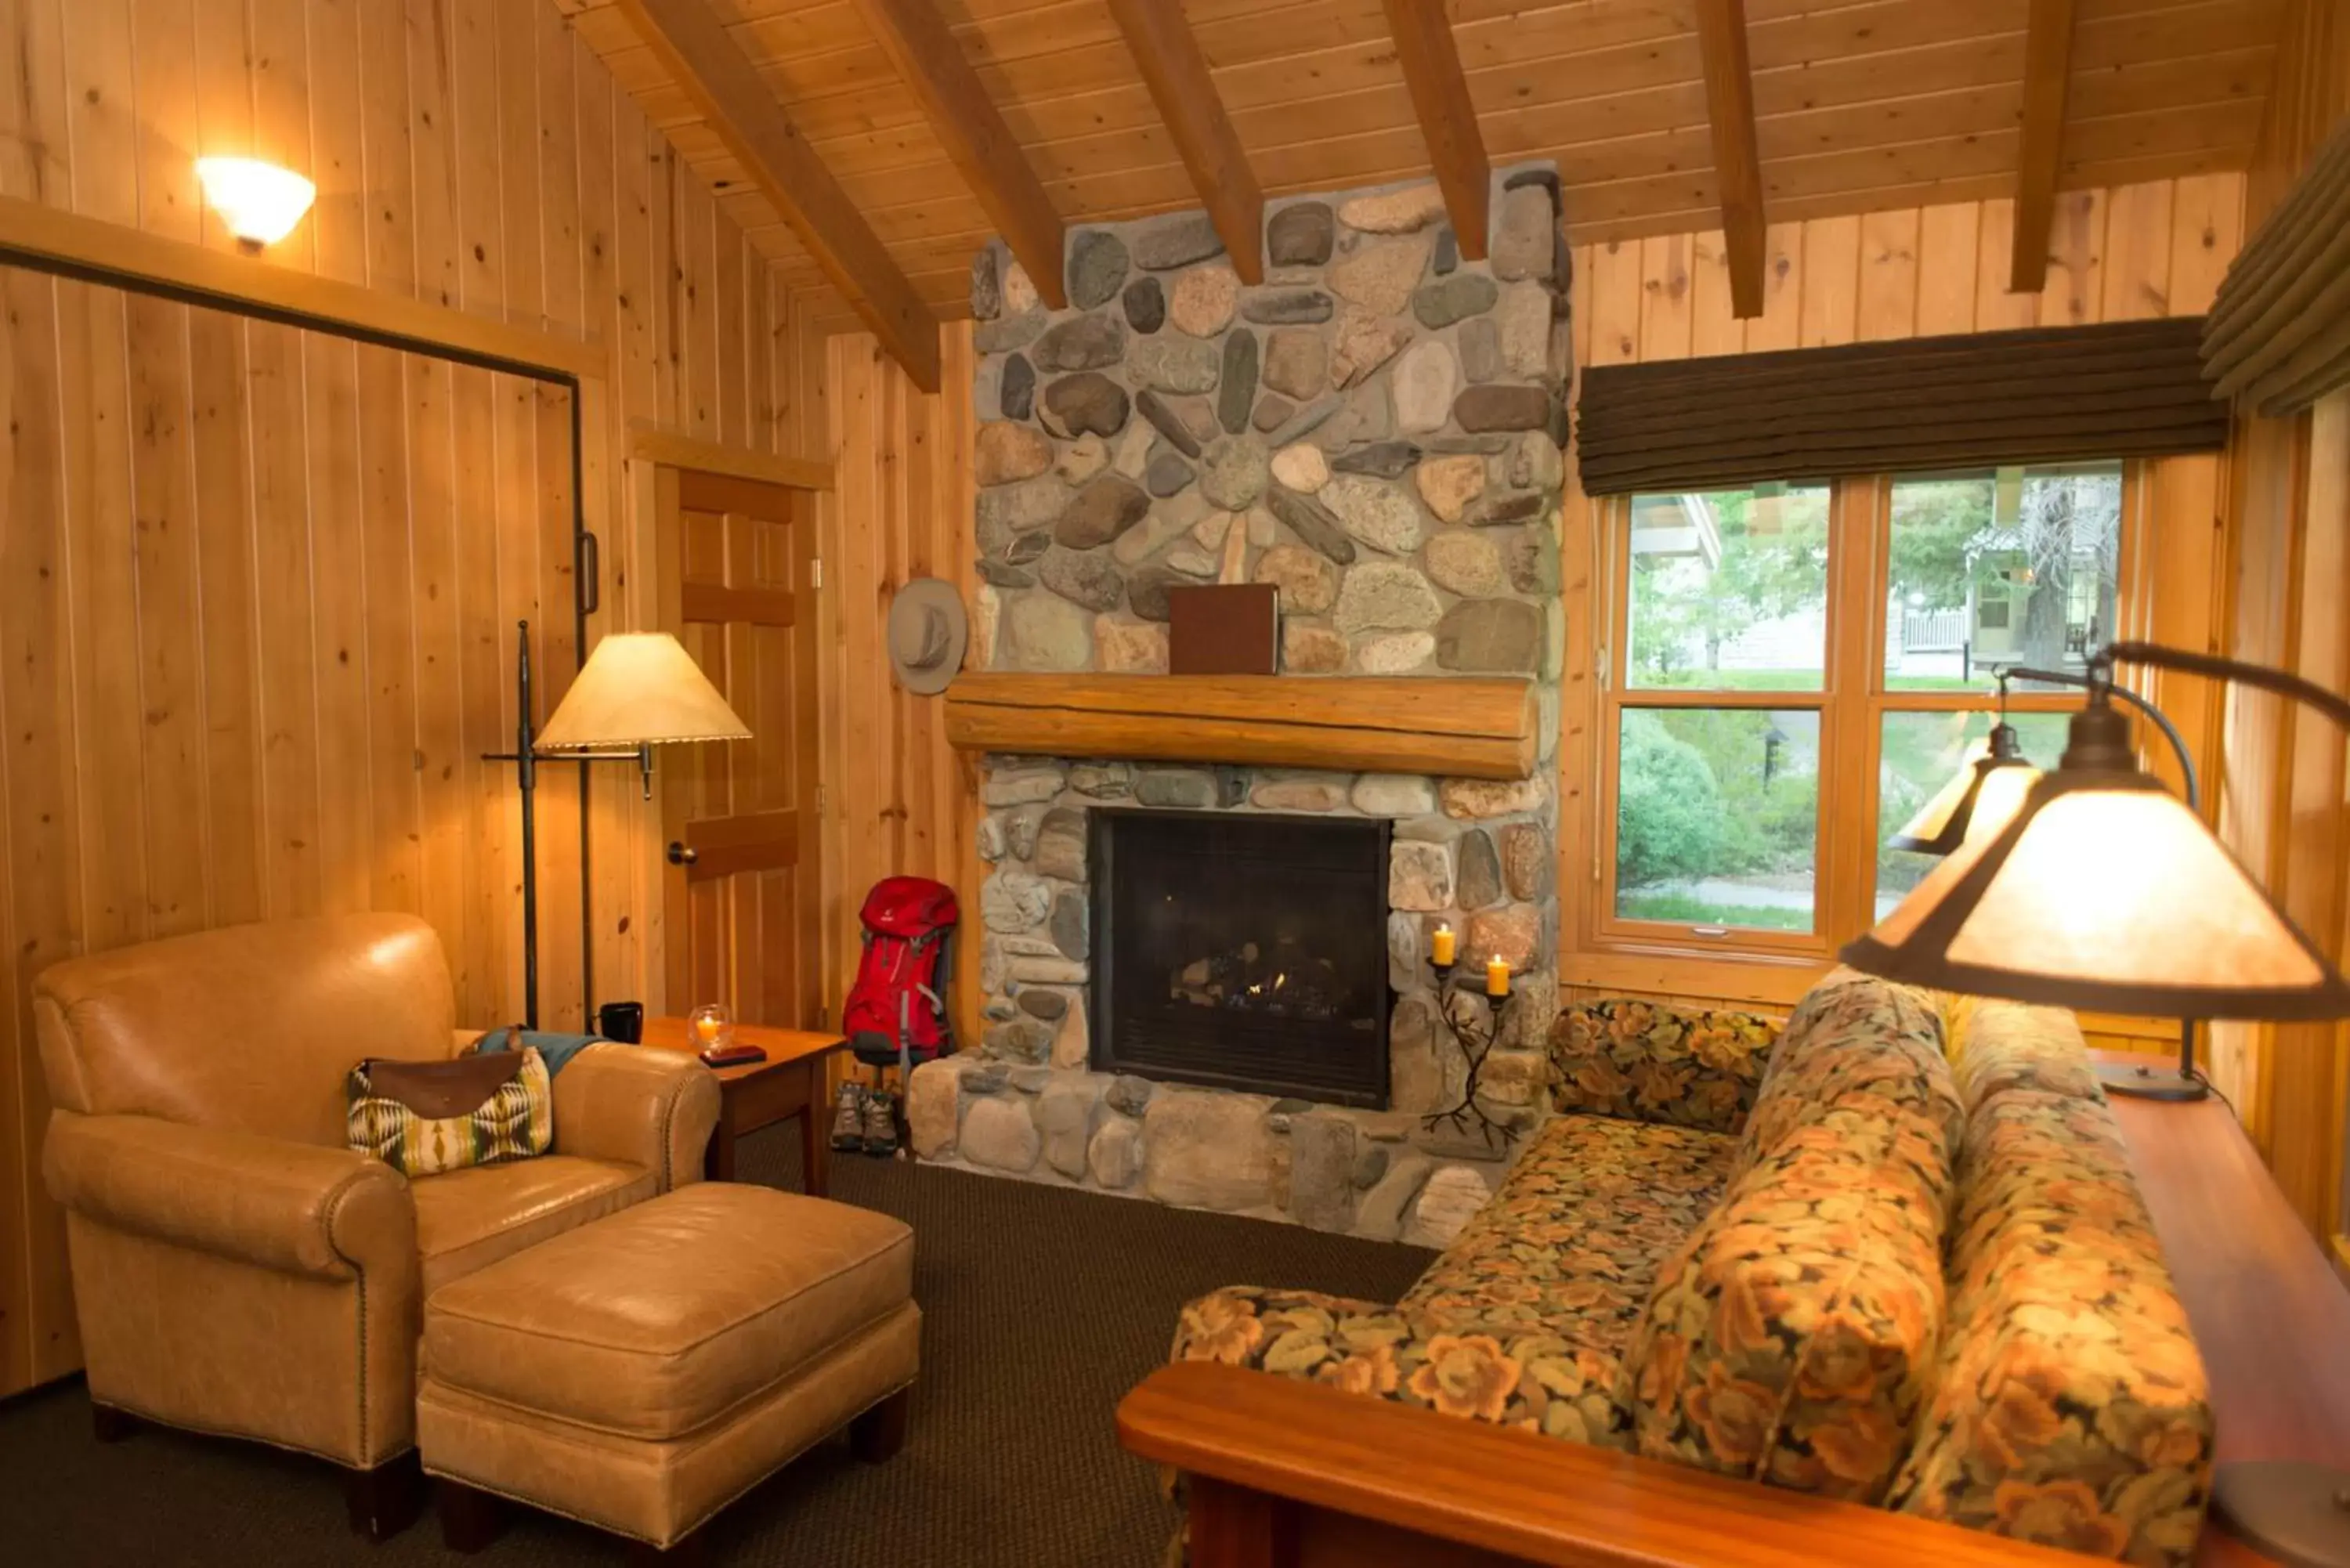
x,y
554,1049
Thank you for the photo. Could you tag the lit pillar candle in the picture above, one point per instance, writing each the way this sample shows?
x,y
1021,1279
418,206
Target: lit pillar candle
x,y
1497,977
1444,942
706,1026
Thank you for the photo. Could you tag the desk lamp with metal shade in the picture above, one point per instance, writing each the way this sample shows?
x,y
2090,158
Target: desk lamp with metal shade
x,y
638,690
2104,890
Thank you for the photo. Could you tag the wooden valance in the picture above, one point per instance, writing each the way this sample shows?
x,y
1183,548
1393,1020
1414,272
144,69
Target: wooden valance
x,y
2279,334
2131,388
1470,726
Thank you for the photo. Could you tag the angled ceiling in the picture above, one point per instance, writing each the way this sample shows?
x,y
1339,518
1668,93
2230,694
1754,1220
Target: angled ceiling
x,y
1857,106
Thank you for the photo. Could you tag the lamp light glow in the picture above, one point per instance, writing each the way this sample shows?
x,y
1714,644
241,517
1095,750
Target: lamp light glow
x,y
2102,891
1978,801
639,688
260,201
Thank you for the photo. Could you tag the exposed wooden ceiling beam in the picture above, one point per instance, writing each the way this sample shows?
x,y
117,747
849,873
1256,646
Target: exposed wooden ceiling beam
x,y
1737,165
933,67
2048,70
1448,119
1177,75
728,89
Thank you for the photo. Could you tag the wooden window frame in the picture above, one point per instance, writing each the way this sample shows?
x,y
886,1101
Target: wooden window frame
x,y
1852,701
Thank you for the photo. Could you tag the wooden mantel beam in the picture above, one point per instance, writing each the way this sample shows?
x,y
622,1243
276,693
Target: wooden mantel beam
x,y
2047,70
1177,75
712,70
1448,119
1737,164
931,64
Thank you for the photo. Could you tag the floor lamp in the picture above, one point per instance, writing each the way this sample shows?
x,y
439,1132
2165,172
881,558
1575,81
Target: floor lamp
x,y
638,690
2103,890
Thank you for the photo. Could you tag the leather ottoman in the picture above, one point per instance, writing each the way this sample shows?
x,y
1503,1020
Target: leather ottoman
x,y
641,1372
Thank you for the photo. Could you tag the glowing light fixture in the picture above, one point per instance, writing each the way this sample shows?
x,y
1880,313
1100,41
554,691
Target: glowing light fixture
x,y
260,201
2103,890
1979,798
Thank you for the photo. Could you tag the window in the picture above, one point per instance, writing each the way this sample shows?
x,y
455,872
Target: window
x,y
1791,656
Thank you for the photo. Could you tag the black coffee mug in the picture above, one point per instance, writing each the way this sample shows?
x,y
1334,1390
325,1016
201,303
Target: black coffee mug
x,y
621,1021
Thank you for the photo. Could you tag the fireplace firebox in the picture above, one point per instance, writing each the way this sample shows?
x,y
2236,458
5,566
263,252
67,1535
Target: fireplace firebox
x,y
1241,952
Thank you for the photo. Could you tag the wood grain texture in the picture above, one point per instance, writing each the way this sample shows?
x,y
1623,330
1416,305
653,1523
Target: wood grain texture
x,y
2284,807
898,799
2047,78
1737,165
1177,75
305,559
1430,62
711,67
929,60
1470,727
1286,1456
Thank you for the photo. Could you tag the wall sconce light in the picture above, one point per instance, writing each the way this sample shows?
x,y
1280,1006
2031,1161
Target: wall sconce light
x,y
260,201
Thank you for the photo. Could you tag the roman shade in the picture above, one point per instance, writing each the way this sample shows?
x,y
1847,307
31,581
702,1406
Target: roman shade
x,y
2131,388
2279,334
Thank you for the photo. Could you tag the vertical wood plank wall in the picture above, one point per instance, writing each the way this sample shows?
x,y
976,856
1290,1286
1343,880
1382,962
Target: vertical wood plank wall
x,y
2286,808
257,586
898,799
2135,251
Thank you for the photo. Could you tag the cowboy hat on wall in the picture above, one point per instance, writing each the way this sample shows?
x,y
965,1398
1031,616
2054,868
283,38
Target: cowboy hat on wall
x,y
927,630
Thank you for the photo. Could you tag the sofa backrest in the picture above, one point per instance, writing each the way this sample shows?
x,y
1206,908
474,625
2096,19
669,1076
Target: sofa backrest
x,y
1642,1063
1792,1338
2070,1407
250,1028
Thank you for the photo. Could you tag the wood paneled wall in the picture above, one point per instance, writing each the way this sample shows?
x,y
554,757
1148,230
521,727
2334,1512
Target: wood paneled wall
x,y
257,586
2136,251
2285,808
898,801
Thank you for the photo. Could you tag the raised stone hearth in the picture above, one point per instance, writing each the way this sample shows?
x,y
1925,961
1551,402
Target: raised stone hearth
x,y
1376,432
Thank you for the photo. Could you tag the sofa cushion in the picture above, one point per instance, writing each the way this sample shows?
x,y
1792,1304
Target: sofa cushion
x,y
1856,1043
2070,1407
1996,1046
1570,1243
468,1219
1536,1379
1647,1062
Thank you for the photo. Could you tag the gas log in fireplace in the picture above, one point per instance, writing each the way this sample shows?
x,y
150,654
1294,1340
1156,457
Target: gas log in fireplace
x,y
1241,952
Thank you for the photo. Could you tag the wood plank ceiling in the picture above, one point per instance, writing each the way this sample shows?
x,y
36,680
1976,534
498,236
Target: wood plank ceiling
x,y
1859,104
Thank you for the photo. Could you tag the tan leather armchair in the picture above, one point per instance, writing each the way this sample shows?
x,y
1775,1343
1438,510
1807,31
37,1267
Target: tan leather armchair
x,y
236,1268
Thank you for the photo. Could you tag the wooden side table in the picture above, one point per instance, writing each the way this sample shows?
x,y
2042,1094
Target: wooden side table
x,y
789,1083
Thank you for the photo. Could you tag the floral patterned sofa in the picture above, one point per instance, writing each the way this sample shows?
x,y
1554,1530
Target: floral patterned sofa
x,y
1892,1254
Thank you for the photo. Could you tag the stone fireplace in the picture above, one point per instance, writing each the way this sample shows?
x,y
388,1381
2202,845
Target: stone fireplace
x,y
1374,430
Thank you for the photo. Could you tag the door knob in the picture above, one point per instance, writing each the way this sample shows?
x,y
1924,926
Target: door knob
x,y
682,854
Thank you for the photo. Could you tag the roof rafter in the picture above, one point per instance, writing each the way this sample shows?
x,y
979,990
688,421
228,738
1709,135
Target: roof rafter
x,y
2047,73
1737,164
1448,119
933,64
712,68
1177,75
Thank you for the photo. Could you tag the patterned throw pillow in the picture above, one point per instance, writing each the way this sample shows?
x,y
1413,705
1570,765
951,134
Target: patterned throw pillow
x,y
1641,1062
427,1118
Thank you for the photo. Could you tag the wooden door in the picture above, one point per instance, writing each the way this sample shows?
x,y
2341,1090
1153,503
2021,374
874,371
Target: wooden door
x,y
742,894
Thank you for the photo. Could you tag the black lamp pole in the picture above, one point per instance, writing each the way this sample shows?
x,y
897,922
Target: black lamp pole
x,y
526,758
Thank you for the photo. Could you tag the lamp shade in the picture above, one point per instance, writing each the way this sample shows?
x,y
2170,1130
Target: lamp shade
x,y
1980,798
640,688
2104,891
259,201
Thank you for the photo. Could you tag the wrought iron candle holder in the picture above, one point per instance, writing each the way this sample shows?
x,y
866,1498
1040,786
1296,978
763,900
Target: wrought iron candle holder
x,y
1475,1045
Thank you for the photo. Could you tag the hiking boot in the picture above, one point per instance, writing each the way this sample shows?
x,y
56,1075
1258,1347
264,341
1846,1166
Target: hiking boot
x,y
880,1126
849,1118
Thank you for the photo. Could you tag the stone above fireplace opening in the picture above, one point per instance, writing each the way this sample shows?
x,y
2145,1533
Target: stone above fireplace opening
x,y
1243,953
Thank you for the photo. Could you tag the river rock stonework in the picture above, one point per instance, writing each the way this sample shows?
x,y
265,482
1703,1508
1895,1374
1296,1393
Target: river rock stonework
x,y
1376,432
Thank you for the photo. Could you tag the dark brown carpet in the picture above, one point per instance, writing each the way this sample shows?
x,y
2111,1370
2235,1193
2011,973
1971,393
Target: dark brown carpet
x,y
1042,1306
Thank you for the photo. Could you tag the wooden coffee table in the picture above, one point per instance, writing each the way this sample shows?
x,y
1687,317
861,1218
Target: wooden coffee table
x,y
789,1083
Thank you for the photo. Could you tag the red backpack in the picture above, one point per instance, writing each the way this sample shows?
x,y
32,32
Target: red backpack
x,y
897,1010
